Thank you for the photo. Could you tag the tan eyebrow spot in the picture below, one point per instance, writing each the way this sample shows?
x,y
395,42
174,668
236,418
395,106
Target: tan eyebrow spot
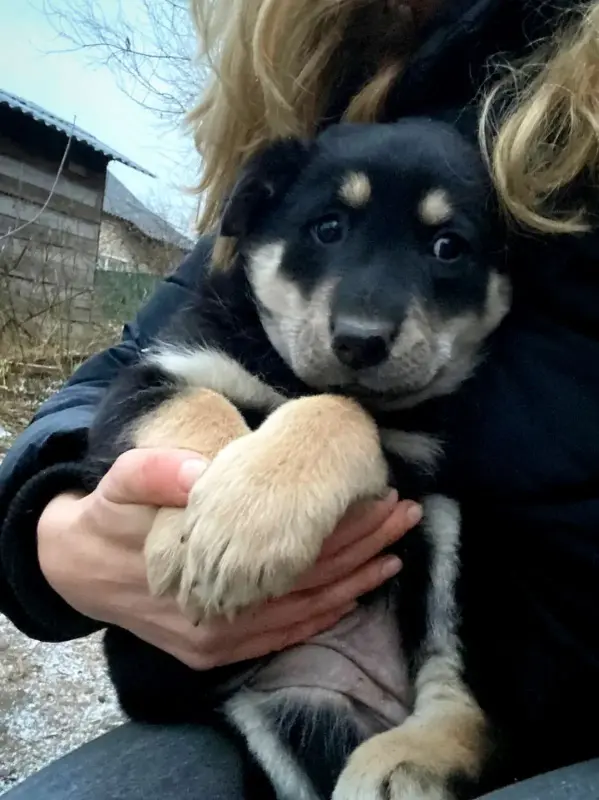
x,y
435,208
355,189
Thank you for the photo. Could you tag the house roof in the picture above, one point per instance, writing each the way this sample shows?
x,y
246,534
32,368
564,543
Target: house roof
x,y
68,128
119,202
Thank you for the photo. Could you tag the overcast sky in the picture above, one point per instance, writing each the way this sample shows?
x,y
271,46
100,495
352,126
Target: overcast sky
x,y
66,84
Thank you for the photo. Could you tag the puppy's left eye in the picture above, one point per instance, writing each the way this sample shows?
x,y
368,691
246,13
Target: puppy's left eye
x,y
449,247
328,230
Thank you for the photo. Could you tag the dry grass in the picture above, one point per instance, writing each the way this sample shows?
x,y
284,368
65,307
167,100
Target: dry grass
x,y
23,388
32,372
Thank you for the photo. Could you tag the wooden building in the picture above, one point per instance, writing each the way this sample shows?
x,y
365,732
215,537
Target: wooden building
x,y
52,184
133,238
138,247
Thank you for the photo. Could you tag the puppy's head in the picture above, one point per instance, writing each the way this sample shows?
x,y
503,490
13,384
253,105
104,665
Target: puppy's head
x,y
372,253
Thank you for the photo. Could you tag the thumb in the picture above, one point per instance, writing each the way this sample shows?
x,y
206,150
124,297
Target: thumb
x,y
152,477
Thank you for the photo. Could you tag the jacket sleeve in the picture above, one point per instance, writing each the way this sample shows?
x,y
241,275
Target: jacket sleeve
x,y
45,460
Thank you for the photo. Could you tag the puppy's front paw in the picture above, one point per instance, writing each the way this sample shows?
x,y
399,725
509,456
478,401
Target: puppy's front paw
x,y
164,551
258,516
252,527
392,766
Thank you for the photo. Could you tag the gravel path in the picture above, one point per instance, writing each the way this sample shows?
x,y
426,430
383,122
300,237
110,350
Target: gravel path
x,y
53,698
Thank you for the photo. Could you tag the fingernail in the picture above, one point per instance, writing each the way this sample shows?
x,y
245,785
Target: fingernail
x,y
393,496
391,566
190,471
414,513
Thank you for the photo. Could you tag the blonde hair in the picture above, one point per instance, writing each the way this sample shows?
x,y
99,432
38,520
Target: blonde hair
x,y
275,66
539,128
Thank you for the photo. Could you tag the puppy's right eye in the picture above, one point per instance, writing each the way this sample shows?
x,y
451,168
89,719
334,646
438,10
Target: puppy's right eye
x,y
328,230
448,247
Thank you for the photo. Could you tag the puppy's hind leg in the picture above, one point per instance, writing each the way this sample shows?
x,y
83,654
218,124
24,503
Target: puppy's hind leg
x,y
444,742
199,420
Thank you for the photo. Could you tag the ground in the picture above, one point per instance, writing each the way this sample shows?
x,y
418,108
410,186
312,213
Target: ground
x,y
53,697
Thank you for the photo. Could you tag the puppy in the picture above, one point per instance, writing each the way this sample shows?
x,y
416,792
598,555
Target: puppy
x,y
365,279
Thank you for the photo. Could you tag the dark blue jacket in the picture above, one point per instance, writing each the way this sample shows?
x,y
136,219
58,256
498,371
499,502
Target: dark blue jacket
x,y
527,466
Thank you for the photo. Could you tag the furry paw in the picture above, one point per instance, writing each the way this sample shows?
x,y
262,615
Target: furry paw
x,y
164,551
258,517
392,766
252,527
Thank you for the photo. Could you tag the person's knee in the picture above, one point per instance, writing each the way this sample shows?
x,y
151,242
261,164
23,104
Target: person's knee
x,y
142,762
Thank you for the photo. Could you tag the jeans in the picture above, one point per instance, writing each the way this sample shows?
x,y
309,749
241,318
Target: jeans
x,y
137,762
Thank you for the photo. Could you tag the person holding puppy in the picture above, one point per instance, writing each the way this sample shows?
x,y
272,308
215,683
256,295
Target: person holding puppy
x,y
70,563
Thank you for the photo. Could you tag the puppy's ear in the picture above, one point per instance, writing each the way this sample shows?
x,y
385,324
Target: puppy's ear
x,y
263,182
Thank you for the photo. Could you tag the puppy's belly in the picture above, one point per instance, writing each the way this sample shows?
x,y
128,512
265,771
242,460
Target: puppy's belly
x,y
360,661
309,707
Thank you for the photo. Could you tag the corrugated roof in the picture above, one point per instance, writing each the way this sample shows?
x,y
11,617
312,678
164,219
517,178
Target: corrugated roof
x,y
121,203
41,115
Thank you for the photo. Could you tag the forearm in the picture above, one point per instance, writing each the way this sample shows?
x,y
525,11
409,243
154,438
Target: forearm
x,y
27,487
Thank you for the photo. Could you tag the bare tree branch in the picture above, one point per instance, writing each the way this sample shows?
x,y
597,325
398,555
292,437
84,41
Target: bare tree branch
x,y
148,44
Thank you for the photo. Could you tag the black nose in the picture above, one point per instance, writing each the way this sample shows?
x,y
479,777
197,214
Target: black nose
x,y
361,343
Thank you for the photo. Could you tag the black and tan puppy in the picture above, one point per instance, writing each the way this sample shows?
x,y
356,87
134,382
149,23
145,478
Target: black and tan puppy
x,y
365,280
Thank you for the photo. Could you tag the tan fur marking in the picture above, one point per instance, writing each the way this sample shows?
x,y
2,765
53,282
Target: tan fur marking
x,y
356,189
435,208
438,749
499,299
420,758
199,420
258,517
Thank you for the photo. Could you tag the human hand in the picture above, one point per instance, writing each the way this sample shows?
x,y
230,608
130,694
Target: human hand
x,y
104,575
